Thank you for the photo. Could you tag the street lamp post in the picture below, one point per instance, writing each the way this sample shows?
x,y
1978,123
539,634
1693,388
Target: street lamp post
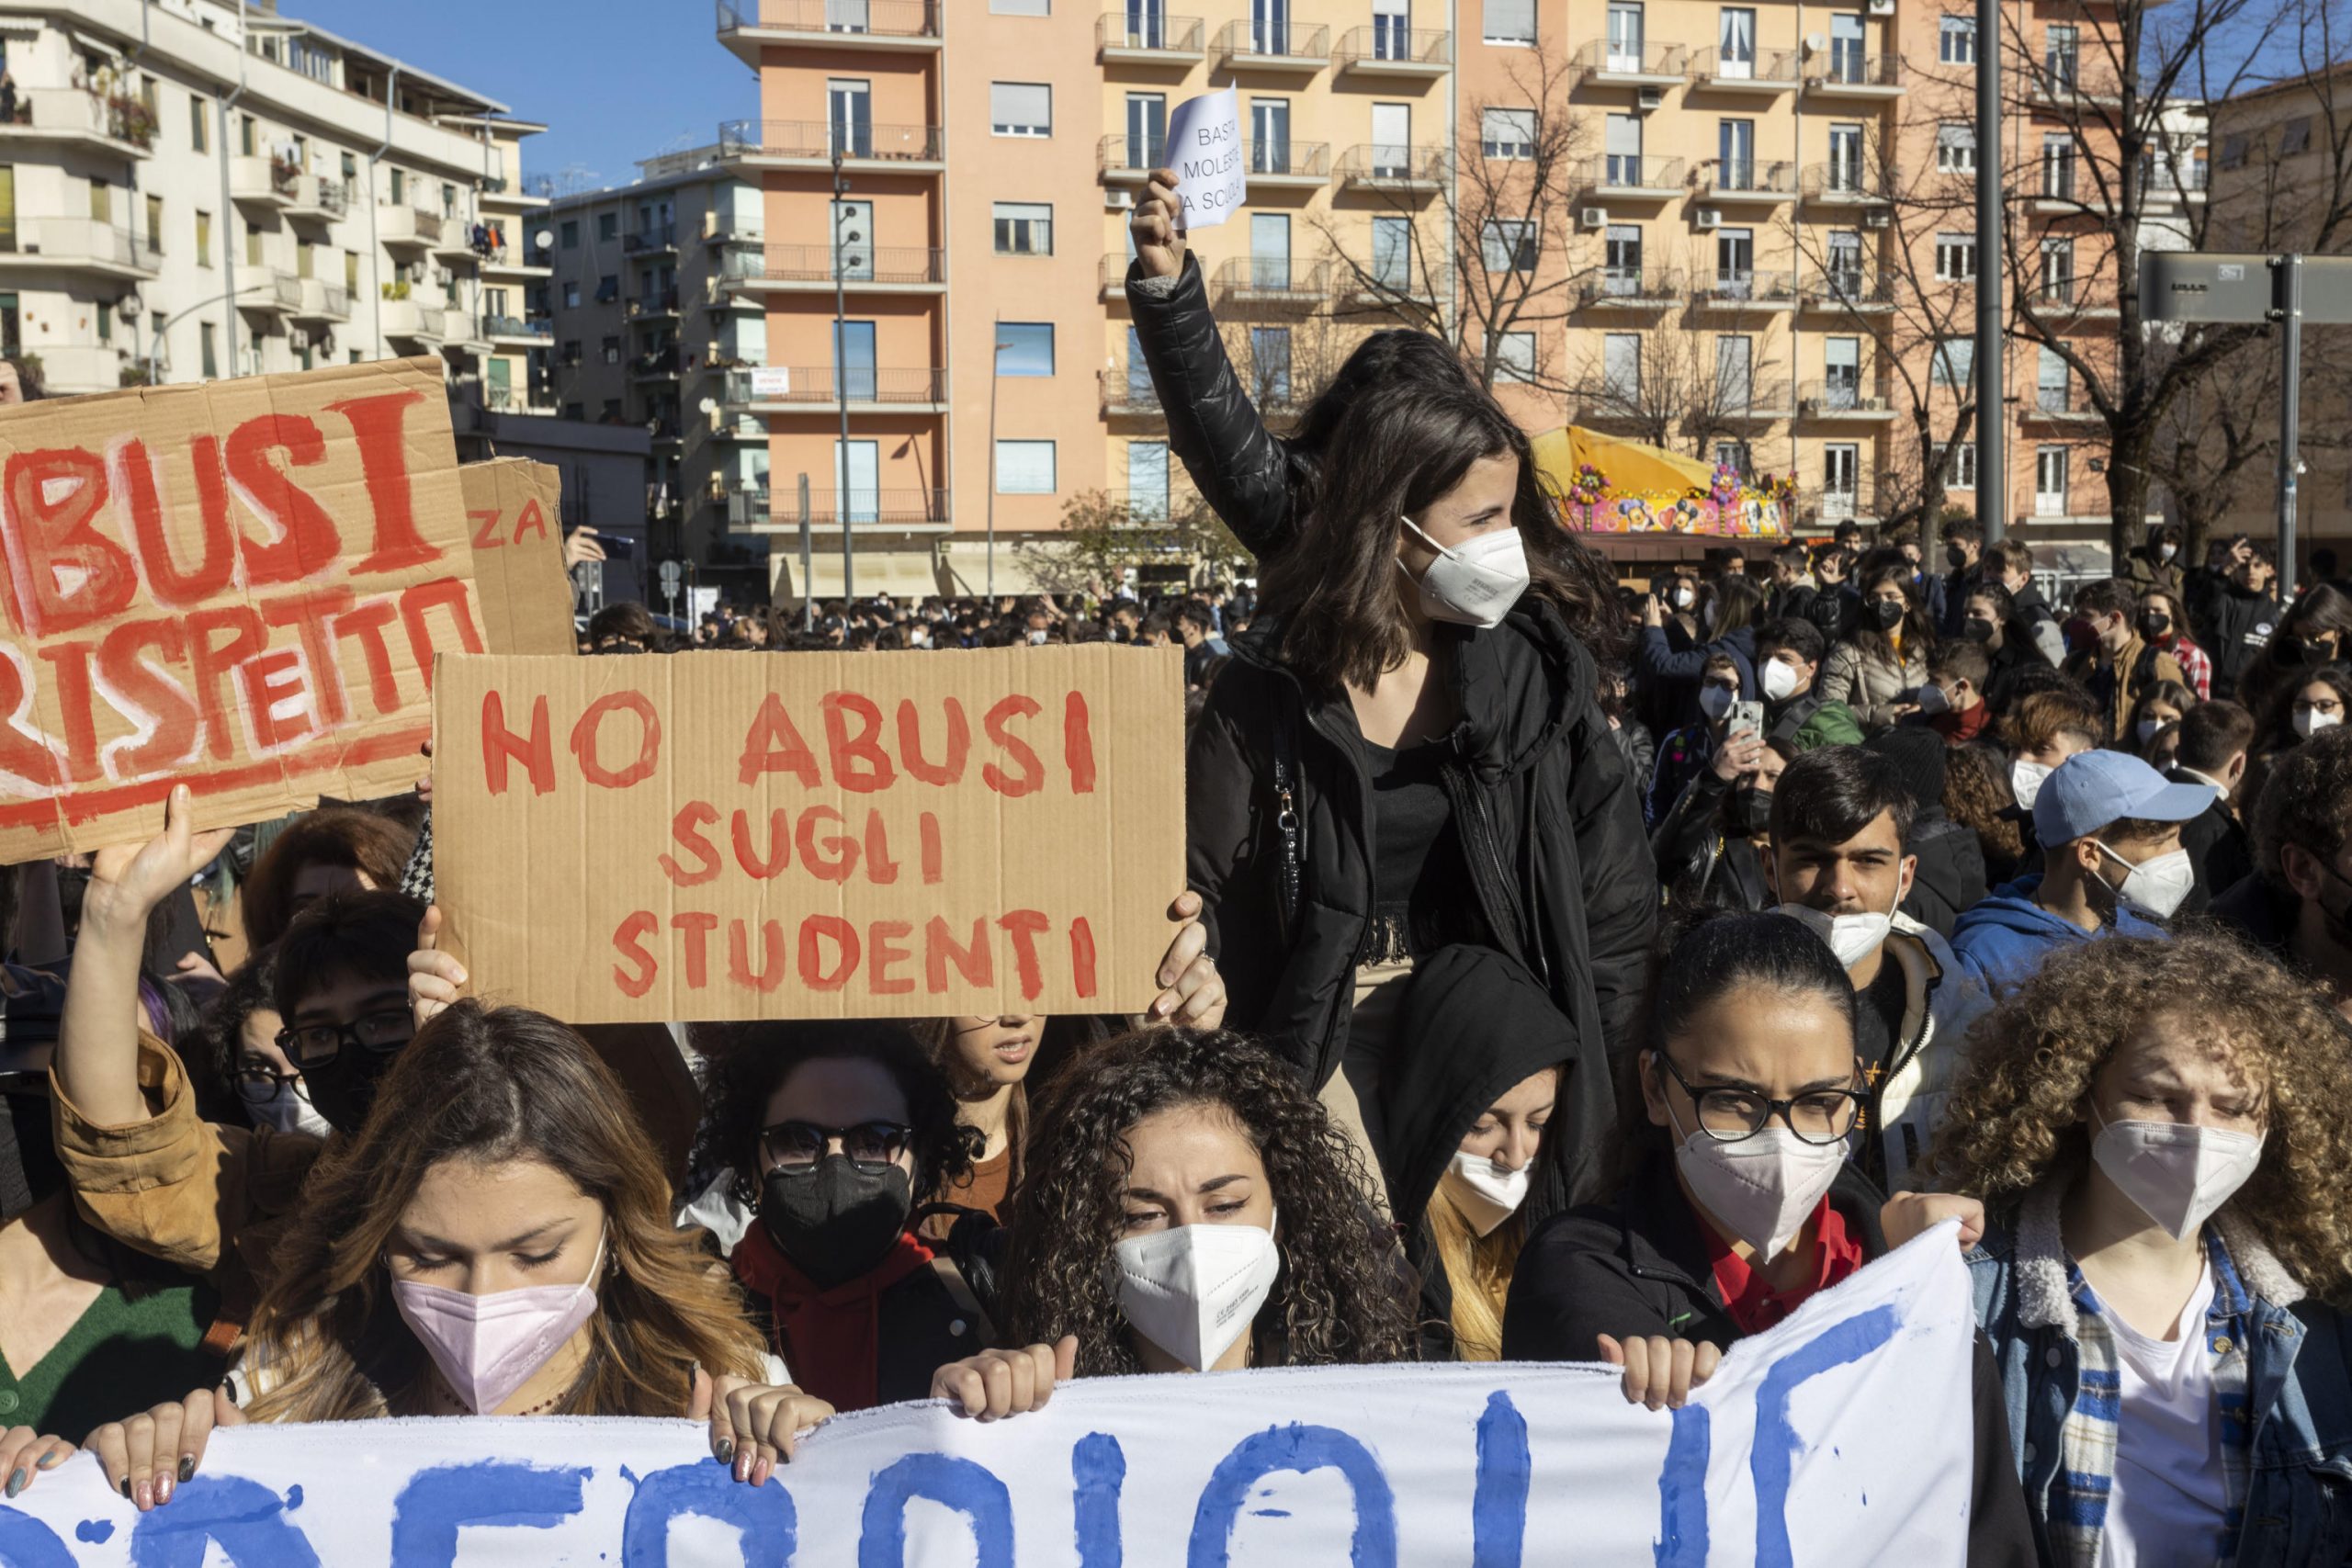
x,y
993,378
155,332
840,375
1992,282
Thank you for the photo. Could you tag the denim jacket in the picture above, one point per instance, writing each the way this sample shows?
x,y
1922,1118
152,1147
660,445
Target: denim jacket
x,y
2298,1502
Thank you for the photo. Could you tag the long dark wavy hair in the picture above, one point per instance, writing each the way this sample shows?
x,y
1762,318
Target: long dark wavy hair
x,y
1392,450
1341,1297
1918,631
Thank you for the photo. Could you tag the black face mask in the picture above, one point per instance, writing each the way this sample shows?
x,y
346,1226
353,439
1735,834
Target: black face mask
x,y
1974,630
2154,626
2305,652
1751,812
1887,613
836,1222
29,1168
342,1089
1958,556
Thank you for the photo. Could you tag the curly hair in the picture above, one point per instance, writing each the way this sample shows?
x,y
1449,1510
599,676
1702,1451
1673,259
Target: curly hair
x,y
753,1061
2014,1116
2307,800
1976,793
1341,1296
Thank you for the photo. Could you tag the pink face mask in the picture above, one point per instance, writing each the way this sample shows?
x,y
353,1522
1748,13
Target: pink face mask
x,y
487,1347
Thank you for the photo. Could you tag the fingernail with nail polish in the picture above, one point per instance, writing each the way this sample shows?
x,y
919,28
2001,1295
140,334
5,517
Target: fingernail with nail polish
x,y
188,1467
162,1490
17,1480
725,1451
126,1486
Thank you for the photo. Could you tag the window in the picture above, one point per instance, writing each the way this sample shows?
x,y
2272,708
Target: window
x,y
1020,108
1509,245
1840,479
1270,250
1510,22
306,261
1621,261
1270,366
1955,362
154,238
208,352
246,136
1392,141
1392,24
608,288
1736,154
570,295
576,412
1270,136
351,270
1025,229
2234,151
400,186
200,133
1960,466
1955,257
1507,133
105,323
1956,40
1624,36
1515,357
608,225
1024,468
850,115
1735,43
2050,382
1841,372
612,348
2295,136
1147,480
2058,166
2060,50
1734,372
569,233
1147,129
2049,481
1846,62
1021,7
1736,262
101,202
1392,252
1845,158
569,353
1732,455
1623,145
1024,348
449,200
1621,368
1955,148
204,239
2058,271
253,246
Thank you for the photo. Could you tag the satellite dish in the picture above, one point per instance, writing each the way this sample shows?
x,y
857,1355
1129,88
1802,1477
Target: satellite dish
x,y
544,238
709,405
1814,43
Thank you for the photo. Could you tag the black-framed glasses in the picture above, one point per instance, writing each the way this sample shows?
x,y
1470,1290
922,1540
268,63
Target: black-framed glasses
x,y
798,1147
314,1045
258,1082
1729,1114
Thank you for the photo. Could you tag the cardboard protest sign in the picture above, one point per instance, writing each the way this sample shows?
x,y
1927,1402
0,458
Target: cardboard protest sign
x,y
1206,149
513,515
239,585
720,835
1842,1436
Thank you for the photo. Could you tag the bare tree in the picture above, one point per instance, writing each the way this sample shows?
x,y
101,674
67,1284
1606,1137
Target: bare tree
x,y
1678,392
1494,260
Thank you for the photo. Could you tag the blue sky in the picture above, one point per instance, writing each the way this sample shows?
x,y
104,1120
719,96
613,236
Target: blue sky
x,y
614,80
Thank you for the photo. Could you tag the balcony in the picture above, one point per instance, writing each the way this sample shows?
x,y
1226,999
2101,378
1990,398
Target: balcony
x,y
1848,73
1290,166
808,144
318,200
1847,184
1624,177
733,230
455,243
1822,505
1270,50
1112,278
510,196
1848,290
1765,71
1392,283
655,365
1631,288
1127,391
412,319
1740,288
748,509
1129,160
1272,283
266,291
399,226
1601,63
1388,168
2063,80
516,331
1172,41
267,183
2053,407
655,240
1381,50
2070,297
747,27
516,400
865,269
921,509
119,126
69,369
653,307
1748,183
1844,402
772,390
79,244
2062,194
322,301
514,262
1758,402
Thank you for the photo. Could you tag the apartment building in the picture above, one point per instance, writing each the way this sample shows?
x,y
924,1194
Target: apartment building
x,y
192,189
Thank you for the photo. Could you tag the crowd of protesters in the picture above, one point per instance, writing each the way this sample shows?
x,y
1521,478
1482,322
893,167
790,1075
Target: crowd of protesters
x,y
1566,969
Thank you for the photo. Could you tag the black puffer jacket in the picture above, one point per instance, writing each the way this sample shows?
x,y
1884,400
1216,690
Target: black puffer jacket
x,y
1559,869
1951,877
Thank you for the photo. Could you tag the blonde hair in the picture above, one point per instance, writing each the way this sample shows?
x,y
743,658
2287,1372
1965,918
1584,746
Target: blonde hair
x,y
1477,1275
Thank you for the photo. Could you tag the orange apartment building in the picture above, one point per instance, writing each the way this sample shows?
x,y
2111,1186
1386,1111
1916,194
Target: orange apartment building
x,y
1742,174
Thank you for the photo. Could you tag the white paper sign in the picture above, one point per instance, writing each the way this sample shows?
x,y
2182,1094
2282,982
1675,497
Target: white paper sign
x,y
772,381
1842,1436
1211,161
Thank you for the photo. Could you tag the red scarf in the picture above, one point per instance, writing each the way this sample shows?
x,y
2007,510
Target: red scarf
x,y
831,1339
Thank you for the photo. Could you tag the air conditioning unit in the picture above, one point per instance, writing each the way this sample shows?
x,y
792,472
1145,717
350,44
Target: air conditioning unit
x,y
1877,220
1650,97
1707,218
1593,217
1881,7
1872,405
1118,200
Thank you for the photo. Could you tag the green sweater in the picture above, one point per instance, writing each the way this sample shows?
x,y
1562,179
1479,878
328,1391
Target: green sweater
x,y
123,1356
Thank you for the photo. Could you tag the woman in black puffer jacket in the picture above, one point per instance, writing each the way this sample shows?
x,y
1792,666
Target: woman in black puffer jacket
x,y
1407,752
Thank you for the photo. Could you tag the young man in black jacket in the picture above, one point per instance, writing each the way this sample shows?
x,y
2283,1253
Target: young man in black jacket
x,y
2243,615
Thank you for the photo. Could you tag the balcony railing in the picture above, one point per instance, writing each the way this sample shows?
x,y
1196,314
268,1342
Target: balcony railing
x,y
1820,503
74,112
1737,286
1127,389
1417,50
883,508
1605,62
1850,70
1388,164
1147,33
889,265
1846,288
1386,281
881,18
2071,401
1630,286
655,362
813,141
1265,46
657,302
1847,180
816,386
660,237
1290,160
1753,400
1274,280
1745,176
514,326
85,242
2160,178
1772,68
1827,397
1623,173
1131,157
2063,80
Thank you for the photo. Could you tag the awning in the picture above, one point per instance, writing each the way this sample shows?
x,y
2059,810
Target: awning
x,y
966,570
896,574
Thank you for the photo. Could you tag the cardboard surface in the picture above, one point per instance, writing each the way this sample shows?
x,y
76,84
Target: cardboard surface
x,y
713,836
240,585
513,515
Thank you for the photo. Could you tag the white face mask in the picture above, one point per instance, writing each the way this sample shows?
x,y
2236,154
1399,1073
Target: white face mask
x,y
2025,781
2146,729
1716,700
2176,1174
2310,721
1779,680
2155,886
2165,552
1681,598
1933,701
1485,1192
1763,1189
1477,581
289,1111
1193,1290
1851,937
1037,638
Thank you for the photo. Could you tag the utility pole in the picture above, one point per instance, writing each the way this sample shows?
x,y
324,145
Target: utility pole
x,y
2287,283
993,379
841,373
807,594
1992,286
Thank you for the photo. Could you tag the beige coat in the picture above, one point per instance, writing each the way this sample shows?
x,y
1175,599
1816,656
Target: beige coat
x,y
1871,683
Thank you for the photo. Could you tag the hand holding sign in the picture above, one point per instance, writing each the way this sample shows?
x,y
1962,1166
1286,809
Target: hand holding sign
x,y
1158,227
1212,167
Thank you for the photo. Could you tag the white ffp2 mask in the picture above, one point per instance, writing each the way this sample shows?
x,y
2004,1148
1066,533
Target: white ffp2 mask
x,y
1763,1187
1193,1290
1851,937
1486,1194
1779,680
2177,1173
2158,887
1476,583
2025,781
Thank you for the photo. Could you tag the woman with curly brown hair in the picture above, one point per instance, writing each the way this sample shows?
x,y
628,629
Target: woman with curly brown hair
x,y
494,1241
2155,1133
1201,1213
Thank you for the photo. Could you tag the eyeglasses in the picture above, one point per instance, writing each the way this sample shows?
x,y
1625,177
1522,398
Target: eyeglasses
x,y
258,1082
798,1147
1728,1115
314,1045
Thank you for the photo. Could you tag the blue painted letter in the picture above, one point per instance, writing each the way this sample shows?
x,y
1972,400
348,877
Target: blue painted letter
x,y
1683,1492
705,1489
437,1503
1302,1448
26,1542
1777,1443
246,1519
1499,1509
1097,1470
957,1483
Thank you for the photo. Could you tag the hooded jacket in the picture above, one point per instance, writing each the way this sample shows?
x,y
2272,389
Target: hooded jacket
x,y
1670,677
2029,609
1560,877
2242,623
2002,940
1940,1001
1951,877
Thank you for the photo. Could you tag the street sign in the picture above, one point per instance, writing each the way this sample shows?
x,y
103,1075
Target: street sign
x,y
2210,286
670,574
